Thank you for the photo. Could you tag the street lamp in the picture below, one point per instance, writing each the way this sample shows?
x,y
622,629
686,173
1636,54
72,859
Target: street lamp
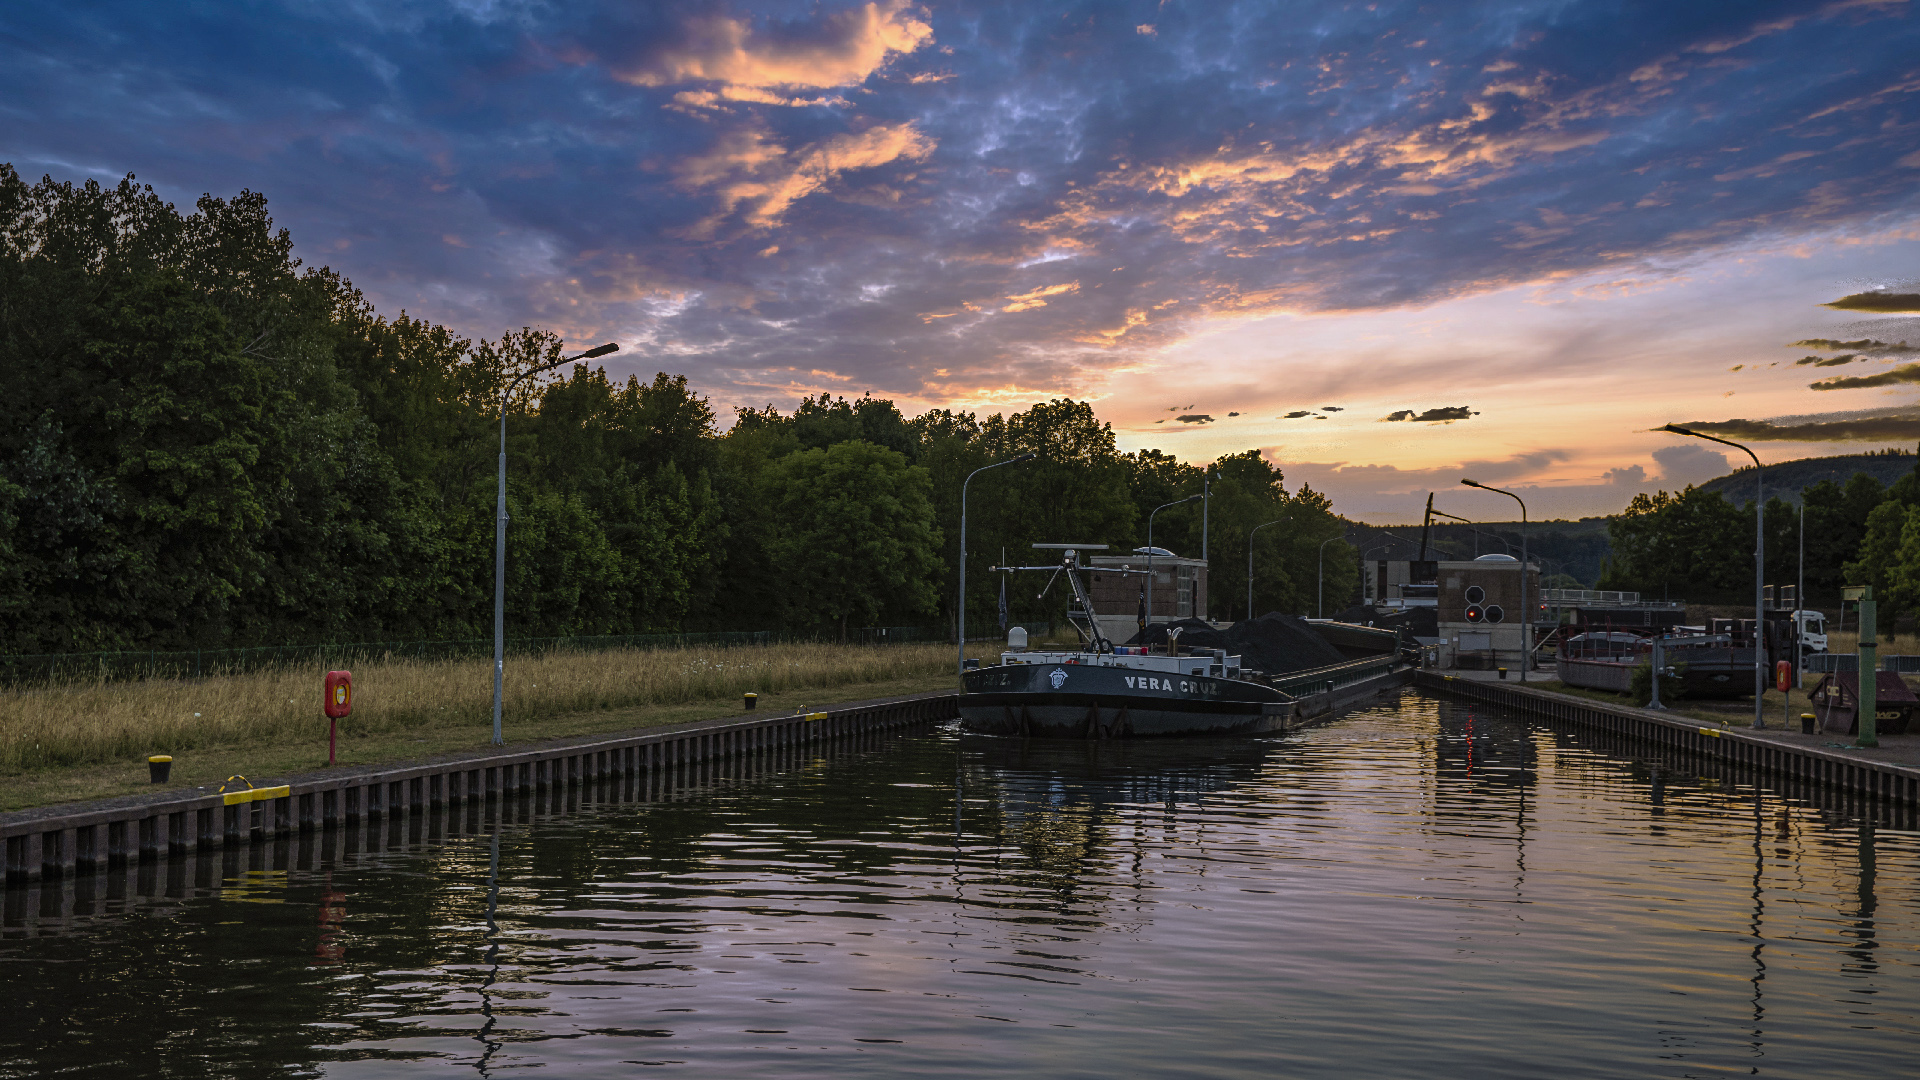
x,y
1250,533
961,609
1471,526
1156,510
1759,570
1526,613
500,531
1323,572
1391,539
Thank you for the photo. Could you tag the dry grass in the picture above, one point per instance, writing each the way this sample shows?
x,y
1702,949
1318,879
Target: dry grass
x,y
1889,644
76,724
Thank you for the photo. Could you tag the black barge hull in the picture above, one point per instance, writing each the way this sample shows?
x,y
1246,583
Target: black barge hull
x,y
1088,701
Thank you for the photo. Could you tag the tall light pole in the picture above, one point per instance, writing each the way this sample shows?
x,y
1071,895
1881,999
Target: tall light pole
x,y
500,531
1323,573
1156,510
1526,612
960,610
1759,570
1250,533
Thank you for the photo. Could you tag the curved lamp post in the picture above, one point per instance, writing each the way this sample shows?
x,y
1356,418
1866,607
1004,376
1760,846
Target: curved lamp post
x,y
1759,568
1391,539
1526,613
1322,557
960,609
1250,533
1472,525
1156,510
500,531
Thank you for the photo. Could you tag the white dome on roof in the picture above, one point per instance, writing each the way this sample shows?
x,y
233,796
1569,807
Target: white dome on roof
x,y
1496,558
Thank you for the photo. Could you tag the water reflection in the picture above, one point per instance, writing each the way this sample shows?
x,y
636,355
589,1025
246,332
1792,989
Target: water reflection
x,y
1421,889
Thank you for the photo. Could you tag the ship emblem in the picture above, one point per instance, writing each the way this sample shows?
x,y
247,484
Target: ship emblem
x,y
1058,677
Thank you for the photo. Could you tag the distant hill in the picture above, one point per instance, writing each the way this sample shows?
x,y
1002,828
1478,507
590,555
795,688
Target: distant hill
x,y
1578,548
1785,479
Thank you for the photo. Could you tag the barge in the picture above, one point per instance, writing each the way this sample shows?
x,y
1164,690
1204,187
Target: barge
x,y
1101,690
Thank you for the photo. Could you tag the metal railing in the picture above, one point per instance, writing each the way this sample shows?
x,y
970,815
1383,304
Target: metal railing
x,y
1827,663
1321,680
1605,598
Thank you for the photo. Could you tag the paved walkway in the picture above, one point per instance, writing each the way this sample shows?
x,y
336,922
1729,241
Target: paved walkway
x,y
1893,749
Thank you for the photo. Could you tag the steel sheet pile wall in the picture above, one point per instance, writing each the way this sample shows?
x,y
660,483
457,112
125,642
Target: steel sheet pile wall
x,y
57,842
1875,780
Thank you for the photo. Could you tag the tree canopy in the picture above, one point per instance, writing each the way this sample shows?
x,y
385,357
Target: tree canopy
x,y
206,443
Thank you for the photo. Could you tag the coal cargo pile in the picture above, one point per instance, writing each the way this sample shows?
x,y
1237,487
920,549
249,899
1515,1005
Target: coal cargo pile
x,y
1274,643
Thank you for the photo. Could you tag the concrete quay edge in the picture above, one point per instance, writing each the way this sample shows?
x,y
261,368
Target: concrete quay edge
x,y
1853,770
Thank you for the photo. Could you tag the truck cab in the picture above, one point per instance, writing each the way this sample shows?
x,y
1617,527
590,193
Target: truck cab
x,y
1811,628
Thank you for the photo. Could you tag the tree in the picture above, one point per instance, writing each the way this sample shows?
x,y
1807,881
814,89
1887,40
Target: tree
x,y
1684,545
853,537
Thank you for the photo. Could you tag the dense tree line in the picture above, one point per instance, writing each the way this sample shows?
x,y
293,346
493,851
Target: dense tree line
x,y
206,443
1698,545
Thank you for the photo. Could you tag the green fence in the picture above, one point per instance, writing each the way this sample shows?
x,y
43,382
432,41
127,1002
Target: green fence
x,y
196,663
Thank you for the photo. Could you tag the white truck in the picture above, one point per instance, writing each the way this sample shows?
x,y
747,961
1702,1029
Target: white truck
x,y
1811,628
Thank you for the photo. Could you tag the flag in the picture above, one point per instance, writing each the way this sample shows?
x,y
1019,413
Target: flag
x,y
1143,612
1003,603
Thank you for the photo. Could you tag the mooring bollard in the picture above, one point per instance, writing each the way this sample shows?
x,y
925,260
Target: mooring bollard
x,y
753,701
159,767
1806,723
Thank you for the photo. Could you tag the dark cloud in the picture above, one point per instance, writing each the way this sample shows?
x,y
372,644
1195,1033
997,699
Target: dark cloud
x,y
1232,414
1331,408
1865,429
1866,345
1194,418
1441,415
1827,361
1905,373
1878,301
930,199
1297,415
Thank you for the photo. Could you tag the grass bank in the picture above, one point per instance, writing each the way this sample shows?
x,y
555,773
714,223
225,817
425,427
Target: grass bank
x,y
64,742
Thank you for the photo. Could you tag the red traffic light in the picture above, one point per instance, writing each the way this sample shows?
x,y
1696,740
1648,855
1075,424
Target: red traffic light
x,y
1474,614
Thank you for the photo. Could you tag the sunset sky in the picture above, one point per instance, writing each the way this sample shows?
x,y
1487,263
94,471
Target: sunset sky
x,y
1547,227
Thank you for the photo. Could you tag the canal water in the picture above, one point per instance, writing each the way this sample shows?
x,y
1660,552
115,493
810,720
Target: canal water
x,y
1421,889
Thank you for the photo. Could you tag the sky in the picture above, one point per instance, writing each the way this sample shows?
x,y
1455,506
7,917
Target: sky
x,y
1388,244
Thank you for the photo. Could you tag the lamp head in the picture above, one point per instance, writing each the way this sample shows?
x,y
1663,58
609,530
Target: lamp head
x,y
1027,457
601,350
1678,430
1472,483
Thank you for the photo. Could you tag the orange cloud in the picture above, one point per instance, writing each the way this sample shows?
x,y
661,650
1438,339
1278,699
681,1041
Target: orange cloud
x,y
845,48
748,169
1027,301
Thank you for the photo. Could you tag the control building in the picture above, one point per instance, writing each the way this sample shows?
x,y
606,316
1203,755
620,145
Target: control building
x,y
1481,621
